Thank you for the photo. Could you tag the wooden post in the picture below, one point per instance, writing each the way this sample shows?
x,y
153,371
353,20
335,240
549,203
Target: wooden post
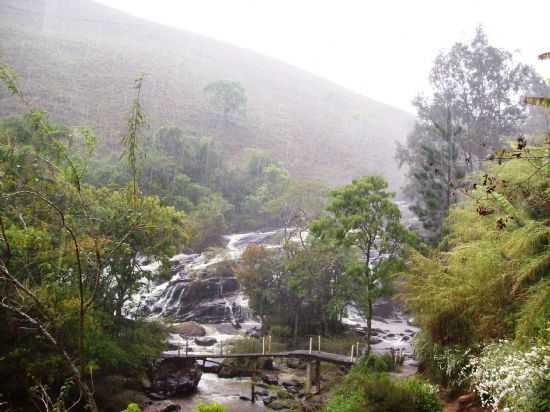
x,y
351,356
263,345
307,385
310,343
319,345
270,348
318,375
252,384
186,347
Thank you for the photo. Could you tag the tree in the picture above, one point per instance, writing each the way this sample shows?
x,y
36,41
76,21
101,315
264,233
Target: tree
x,y
472,109
537,100
363,216
227,96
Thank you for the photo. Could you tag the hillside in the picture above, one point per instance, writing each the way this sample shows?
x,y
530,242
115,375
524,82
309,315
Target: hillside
x,y
78,59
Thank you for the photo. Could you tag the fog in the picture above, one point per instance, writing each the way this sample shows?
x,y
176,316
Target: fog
x,y
381,49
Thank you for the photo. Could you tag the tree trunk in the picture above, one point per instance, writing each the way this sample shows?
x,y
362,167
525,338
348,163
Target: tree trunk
x,y
295,339
369,325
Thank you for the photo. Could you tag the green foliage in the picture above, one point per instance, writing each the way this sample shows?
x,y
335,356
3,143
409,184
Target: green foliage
x,y
211,407
460,124
488,280
424,394
70,257
376,363
227,96
377,392
363,217
132,407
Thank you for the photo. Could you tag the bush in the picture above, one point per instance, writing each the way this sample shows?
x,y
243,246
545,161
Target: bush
x,y
376,363
445,364
424,394
133,407
510,379
378,392
211,407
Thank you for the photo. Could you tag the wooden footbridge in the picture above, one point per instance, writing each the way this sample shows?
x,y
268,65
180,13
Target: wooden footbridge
x,y
311,357
296,354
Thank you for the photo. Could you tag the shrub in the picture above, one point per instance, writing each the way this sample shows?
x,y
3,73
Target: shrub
x,y
378,392
444,364
133,407
211,407
424,394
376,363
508,379
345,403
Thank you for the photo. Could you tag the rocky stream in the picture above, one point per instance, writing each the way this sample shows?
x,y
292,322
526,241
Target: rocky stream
x,y
204,301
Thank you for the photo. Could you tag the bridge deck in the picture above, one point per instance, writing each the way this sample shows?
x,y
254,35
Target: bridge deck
x,y
300,354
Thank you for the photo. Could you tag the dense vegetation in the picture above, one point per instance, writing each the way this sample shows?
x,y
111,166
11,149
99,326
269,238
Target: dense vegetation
x,y
76,229
488,281
369,388
472,110
79,218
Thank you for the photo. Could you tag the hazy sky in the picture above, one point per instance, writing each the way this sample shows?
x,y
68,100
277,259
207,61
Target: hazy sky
x,y
380,48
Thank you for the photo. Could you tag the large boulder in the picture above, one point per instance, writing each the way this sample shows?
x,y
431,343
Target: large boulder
x,y
175,377
206,341
189,329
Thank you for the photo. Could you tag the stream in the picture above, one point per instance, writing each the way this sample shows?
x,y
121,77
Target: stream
x,y
202,291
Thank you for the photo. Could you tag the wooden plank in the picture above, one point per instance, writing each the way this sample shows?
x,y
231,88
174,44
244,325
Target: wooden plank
x,y
302,354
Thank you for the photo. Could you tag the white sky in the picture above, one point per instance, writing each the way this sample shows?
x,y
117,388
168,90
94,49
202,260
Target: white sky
x,y
383,49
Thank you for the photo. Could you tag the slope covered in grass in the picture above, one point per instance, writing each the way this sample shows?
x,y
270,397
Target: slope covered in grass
x,y
78,59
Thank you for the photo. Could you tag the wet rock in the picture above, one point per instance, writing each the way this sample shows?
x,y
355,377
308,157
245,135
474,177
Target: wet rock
x,y
244,398
262,392
270,379
206,341
268,399
155,396
233,368
254,333
375,341
146,383
189,329
280,404
295,363
211,367
175,376
292,385
171,408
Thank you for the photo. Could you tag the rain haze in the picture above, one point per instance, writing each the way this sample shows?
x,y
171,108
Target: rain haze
x,y
381,49
291,205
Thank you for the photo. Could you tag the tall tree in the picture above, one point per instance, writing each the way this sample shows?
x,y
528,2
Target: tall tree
x,y
227,96
473,108
363,216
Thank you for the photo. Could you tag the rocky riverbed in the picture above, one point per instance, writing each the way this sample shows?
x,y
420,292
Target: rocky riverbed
x,y
207,308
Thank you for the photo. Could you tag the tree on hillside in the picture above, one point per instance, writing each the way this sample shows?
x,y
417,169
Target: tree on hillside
x,y
363,216
472,109
229,97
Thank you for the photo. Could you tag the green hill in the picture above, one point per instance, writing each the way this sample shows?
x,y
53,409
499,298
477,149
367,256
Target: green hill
x,y
78,59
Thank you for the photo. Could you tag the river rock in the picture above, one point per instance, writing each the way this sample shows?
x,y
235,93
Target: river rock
x,y
175,376
295,363
281,404
169,407
206,341
270,379
189,329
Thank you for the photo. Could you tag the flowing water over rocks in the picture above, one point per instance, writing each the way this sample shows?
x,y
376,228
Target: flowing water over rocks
x,y
203,289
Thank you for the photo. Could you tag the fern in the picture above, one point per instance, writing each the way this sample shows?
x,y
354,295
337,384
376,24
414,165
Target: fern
x,y
537,269
507,207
